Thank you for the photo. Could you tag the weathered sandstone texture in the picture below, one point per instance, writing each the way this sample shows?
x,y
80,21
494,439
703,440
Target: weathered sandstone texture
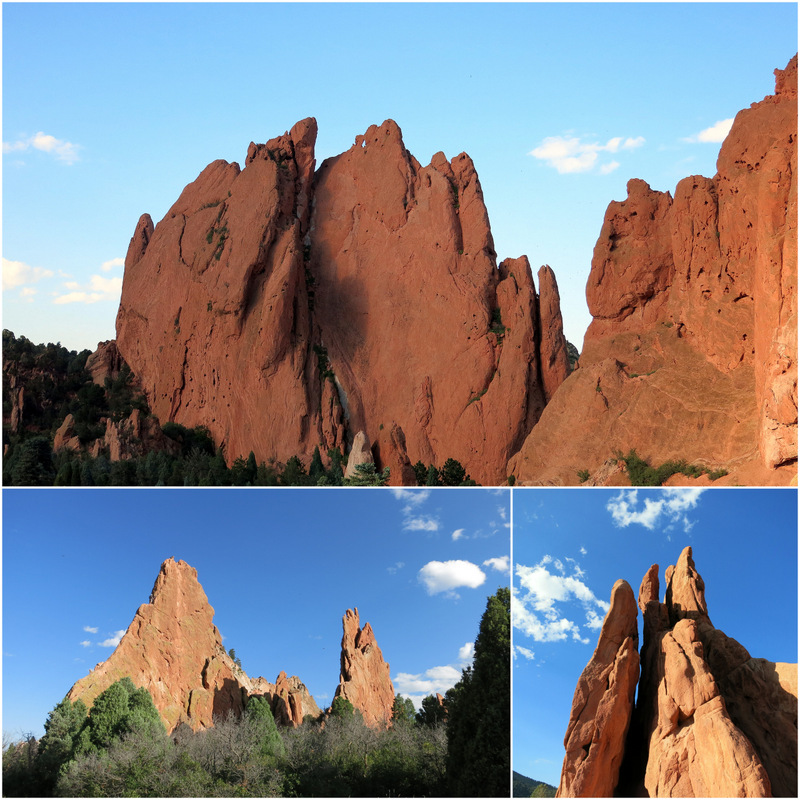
x,y
709,720
692,351
285,308
603,703
364,677
173,649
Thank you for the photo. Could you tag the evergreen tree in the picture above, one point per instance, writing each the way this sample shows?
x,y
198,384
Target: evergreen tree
x,y
479,710
316,470
432,476
420,473
259,715
432,711
452,473
403,711
342,707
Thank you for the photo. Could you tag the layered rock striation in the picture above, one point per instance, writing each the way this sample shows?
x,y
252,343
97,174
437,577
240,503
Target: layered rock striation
x,y
709,720
692,350
285,308
364,678
173,649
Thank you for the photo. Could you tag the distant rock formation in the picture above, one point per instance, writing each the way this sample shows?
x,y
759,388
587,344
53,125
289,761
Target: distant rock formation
x,y
692,350
364,678
173,649
286,308
709,720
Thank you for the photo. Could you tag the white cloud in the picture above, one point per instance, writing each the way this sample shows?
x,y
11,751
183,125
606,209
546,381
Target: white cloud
x,y
62,150
107,266
26,293
466,653
90,629
446,576
17,273
500,564
458,534
523,651
413,497
86,644
670,507
423,523
433,680
398,566
570,154
715,134
114,640
99,289
583,551
540,599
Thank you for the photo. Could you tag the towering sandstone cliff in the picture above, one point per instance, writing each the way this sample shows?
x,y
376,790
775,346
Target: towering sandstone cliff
x,y
364,677
709,720
173,649
692,352
285,308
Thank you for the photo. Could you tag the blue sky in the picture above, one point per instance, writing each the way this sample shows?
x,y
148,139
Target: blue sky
x,y
279,567
109,110
571,546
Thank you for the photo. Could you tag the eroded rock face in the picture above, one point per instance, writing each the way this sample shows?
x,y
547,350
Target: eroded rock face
x,y
692,350
710,721
104,362
364,678
214,318
603,703
285,308
173,649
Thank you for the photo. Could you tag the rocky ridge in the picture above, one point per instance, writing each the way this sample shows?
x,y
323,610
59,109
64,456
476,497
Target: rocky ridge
x,y
709,720
364,678
173,649
692,351
284,307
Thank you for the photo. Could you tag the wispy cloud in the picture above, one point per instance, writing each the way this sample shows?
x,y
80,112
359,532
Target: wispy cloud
x,y
86,643
466,653
412,497
501,564
519,650
457,534
107,266
114,640
447,576
569,154
18,273
540,602
423,522
90,629
99,288
395,568
668,508
715,134
64,151
413,519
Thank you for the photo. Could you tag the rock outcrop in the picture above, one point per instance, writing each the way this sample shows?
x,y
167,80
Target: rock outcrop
x,y
364,677
692,350
285,308
709,721
173,649
603,704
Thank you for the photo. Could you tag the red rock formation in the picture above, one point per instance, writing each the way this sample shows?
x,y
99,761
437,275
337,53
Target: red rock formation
x,y
173,649
105,362
214,318
692,350
364,678
242,298
709,721
602,705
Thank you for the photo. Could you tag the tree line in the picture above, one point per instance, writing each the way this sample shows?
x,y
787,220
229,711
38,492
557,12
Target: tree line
x,y
119,747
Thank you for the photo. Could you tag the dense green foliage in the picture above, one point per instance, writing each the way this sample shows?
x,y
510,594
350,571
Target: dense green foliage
x,y
573,355
527,787
452,473
640,473
479,709
112,752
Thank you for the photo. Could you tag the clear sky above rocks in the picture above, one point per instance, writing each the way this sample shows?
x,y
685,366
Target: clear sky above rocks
x,y
109,110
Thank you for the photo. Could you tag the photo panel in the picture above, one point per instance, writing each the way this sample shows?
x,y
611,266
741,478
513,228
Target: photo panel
x,y
655,642
384,612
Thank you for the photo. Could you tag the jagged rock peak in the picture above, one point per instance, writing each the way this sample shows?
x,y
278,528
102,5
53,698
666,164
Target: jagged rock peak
x,y
173,649
603,704
364,677
686,590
